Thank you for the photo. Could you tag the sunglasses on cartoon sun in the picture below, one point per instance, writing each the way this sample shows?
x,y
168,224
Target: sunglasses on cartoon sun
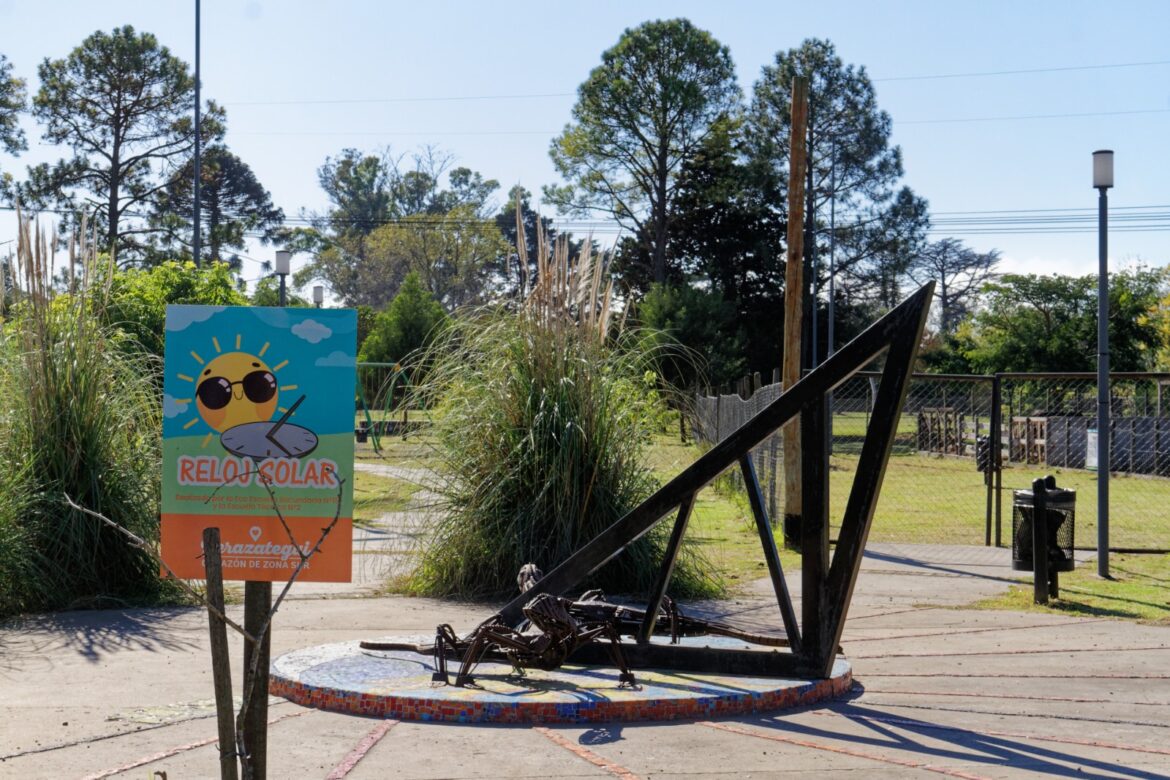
x,y
216,392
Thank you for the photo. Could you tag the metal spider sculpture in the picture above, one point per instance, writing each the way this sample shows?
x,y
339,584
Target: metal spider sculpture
x,y
554,629
552,636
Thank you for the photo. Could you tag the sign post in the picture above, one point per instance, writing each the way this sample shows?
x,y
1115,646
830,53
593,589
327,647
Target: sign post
x,y
258,442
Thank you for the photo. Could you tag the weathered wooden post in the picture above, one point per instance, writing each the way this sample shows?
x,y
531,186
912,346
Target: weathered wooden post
x,y
221,667
793,306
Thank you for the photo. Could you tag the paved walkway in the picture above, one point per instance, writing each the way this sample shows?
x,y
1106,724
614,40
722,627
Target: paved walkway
x,y
940,690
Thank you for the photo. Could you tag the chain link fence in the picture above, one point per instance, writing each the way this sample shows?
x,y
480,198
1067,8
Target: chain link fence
x,y
934,489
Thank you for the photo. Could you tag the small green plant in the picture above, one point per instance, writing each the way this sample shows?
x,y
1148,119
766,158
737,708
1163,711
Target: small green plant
x,y
79,418
542,419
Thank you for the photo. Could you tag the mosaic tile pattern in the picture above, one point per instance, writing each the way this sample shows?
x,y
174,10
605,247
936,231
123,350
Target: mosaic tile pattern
x,y
397,684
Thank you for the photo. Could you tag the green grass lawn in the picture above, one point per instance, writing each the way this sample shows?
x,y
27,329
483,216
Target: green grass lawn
x,y
1139,590
924,499
375,495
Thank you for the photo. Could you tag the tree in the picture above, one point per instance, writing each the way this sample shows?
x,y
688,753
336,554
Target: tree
x,y
123,104
139,297
724,241
851,162
453,256
267,293
1049,323
520,199
961,273
377,229
705,325
410,321
233,204
12,103
638,117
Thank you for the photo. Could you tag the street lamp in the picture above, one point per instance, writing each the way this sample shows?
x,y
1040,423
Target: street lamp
x,y
1103,180
283,263
318,295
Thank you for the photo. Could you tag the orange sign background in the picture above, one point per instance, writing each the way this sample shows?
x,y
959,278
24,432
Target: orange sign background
x,y
248,553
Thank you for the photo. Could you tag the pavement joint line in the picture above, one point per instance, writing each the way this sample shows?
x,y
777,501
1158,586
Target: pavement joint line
x,y
1047,714
997,676
895,612
917,724
364,745
102,737
1068,699
175,751
1069,650
617,770
998,629
843,751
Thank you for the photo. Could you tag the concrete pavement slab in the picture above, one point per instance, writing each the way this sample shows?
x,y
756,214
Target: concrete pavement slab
x,y
941,690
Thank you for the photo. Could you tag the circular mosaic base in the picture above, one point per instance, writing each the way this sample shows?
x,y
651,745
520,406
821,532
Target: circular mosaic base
x,y
343,677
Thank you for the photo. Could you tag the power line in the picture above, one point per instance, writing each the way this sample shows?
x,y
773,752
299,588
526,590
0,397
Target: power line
x,y
897,122
1022,71
394,132
549,95
432,99
1077,115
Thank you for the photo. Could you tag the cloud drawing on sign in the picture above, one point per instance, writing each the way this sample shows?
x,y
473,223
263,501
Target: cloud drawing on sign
x,y
311,331
182,317
336,359
173,407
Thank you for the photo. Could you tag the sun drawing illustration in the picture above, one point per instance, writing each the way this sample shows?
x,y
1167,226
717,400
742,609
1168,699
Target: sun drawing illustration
x,y
236,395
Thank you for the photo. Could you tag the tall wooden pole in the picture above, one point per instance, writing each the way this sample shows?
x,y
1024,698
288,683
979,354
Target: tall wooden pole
x,y
793,305
221,667
195,249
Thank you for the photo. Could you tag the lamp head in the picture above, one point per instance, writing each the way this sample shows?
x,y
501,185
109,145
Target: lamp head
x,y
283,262
1103,169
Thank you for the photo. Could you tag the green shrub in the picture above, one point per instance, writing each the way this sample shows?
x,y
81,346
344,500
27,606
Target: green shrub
x,y
137,299
407,324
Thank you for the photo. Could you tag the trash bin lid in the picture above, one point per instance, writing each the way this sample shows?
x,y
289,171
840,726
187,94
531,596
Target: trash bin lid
x,y
1054,495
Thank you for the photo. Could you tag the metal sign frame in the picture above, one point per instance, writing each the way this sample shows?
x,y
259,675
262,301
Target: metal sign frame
x,y
827,581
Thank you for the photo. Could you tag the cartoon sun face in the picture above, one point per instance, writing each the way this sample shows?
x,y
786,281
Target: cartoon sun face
x,y
235,388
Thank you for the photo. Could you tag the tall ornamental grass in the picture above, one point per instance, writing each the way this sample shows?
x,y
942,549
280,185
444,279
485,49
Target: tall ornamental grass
x,y
78,416
542,421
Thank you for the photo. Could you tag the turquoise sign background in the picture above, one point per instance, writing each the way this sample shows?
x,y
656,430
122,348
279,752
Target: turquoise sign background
x,y
232,374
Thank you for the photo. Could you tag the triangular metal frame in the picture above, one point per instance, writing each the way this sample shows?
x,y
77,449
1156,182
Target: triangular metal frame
x,y
826,584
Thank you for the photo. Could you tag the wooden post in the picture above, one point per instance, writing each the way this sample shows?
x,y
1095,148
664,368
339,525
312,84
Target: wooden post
x,y
257,606
221,666
793,305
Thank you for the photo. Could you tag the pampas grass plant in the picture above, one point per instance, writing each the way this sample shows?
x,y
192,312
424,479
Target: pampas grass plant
x,y
78,416
542,417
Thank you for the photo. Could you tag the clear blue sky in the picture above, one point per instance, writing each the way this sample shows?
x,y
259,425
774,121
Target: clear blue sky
x,y
285,71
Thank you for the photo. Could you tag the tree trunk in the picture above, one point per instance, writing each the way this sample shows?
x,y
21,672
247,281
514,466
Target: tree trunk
x,y
659,210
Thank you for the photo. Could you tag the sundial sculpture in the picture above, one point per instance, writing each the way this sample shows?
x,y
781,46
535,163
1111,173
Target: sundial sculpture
x,y
267,439
827,581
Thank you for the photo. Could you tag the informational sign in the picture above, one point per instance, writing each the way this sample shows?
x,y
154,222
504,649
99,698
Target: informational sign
x,y
258,420
1091,449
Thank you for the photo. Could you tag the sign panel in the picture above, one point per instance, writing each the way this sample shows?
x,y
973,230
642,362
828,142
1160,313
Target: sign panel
x,y
1091,449
258,420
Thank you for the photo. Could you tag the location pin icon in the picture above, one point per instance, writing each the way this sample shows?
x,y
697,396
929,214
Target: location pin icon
x,y
254,532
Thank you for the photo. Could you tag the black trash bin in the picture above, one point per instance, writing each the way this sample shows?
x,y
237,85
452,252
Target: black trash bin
x,y
1061,523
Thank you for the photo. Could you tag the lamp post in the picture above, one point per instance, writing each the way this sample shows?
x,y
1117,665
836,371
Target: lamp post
x,y
195,238
1103,180
283,263
318,295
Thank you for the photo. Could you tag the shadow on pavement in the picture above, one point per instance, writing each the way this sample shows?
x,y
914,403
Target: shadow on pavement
x,y
953,744
91,634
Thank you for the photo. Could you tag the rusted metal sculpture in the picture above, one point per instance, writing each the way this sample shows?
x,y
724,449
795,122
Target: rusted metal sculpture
x,y
827,581
555,628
